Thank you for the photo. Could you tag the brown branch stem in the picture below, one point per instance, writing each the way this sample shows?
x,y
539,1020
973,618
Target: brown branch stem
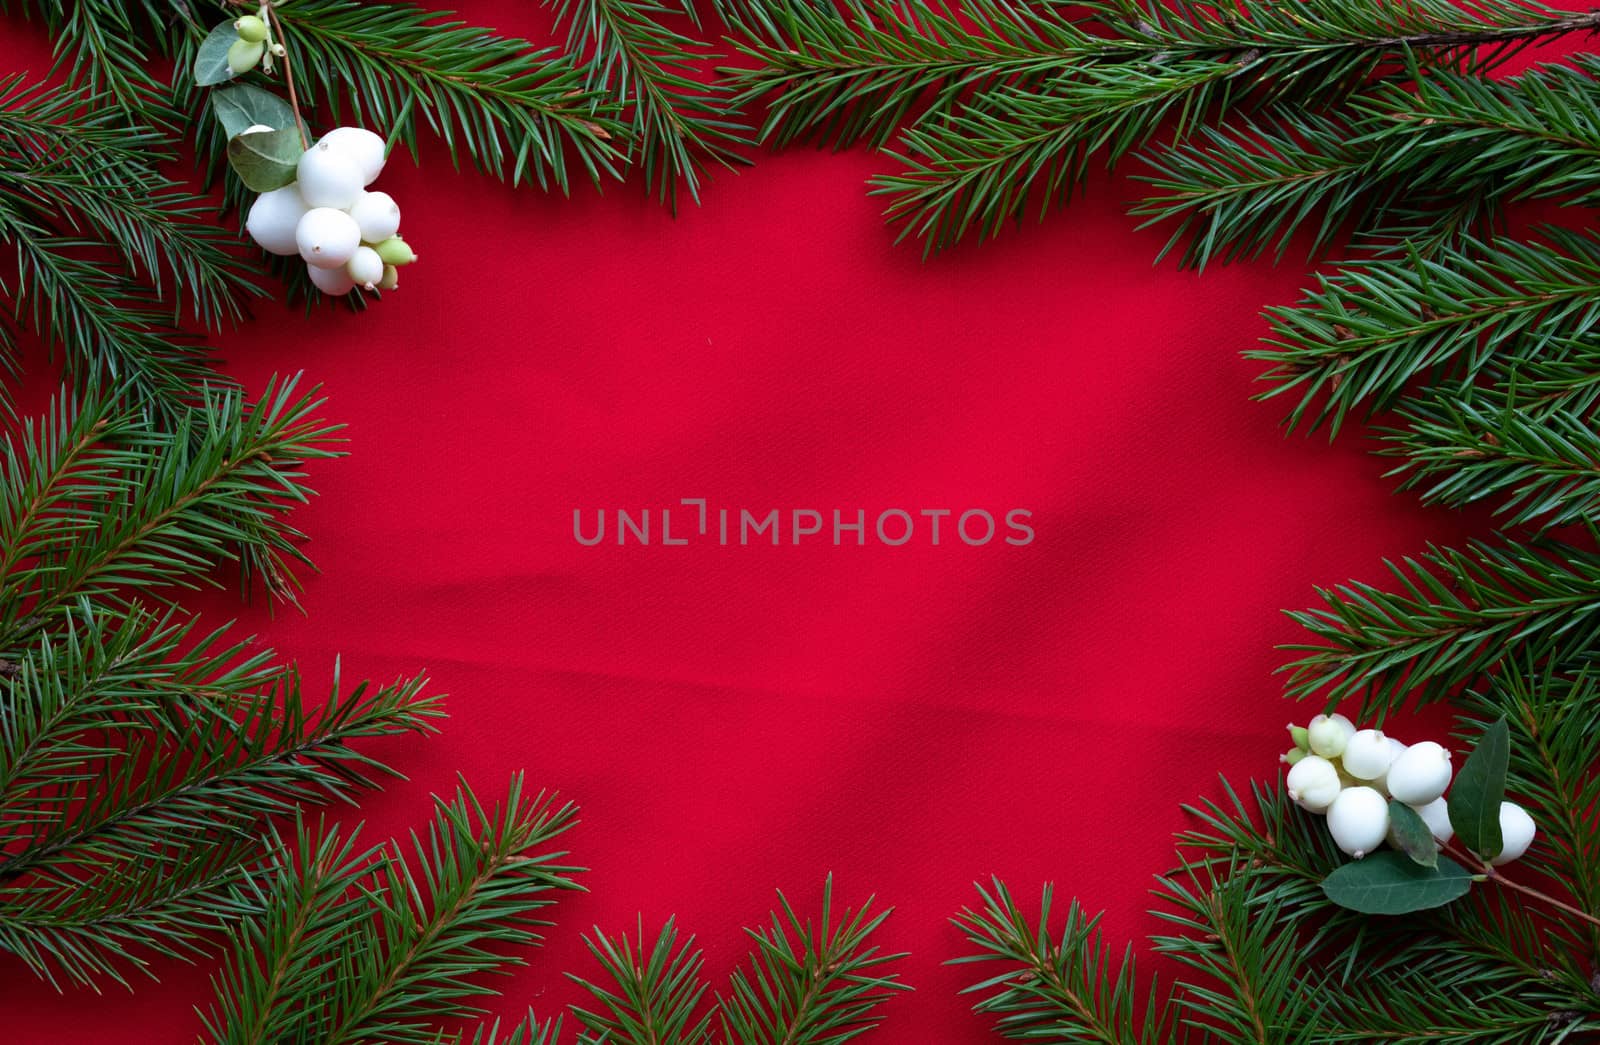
x,y
1493,874
288,72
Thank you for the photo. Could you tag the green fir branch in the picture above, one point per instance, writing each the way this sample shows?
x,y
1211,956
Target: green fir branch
x,y
1006,106
1422,165
860,73
1063,986
517,113
526,1031
810,986
1459,614
1552,768
367,946
1258,983
107,46
976,170
85,929
134,754
1368,333
162,510
654,995
1540,468
680,124
70,163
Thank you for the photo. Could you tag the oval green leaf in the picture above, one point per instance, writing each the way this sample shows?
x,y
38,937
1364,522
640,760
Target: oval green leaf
x,y
266,160
211,61
1479,789
244,105
1411,834
1391,883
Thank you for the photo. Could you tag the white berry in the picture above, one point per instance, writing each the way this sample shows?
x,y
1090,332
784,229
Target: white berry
x,y
1396,749
1436,815
378,216
328,178
1358,820
1421,774
1313,783
327,238
273,218
1516,832
1367,754
359,146
331,281
365,267
1328,735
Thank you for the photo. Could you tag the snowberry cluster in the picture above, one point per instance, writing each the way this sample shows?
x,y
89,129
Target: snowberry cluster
x,y
1351,774
345,234
254,45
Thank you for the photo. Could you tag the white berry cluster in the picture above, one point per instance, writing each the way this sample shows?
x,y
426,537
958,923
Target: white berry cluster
x,y
345,234
1351,774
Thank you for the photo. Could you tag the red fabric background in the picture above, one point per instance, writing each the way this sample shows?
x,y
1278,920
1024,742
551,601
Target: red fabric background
x,y
734,720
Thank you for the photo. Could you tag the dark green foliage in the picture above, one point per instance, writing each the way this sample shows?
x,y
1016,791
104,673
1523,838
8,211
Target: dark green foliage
x,y
140,757
680,123
805,984
515,112
1005,106
1065,985
110,252
372,944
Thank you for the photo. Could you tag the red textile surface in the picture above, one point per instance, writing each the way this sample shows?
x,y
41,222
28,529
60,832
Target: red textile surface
x,y
738,719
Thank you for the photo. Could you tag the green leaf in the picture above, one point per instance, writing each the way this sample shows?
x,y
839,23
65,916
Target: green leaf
x,y
1390,883
1478,790
211,61
266,160
243,105
1412,835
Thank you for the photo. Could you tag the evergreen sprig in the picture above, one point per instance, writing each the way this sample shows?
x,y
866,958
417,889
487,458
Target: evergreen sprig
x,y
1006,105
110,251
805,984
101,504
1421,164
1367,333
514,111
1269,959
357,944
1064,985
106,46
140,758
860,73
1458,614
136,773
1538,467
681,123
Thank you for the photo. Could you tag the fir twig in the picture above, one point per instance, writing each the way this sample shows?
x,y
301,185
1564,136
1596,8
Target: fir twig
x,y
1366,334
1459,613
1064,985
810,986
517,113
104,505
358,946
680,123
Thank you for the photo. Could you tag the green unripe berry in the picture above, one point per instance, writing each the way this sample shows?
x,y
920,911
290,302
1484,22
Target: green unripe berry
x,y
1293,755
391,278
244,54
251,28
395,251
1328,735
1300,737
